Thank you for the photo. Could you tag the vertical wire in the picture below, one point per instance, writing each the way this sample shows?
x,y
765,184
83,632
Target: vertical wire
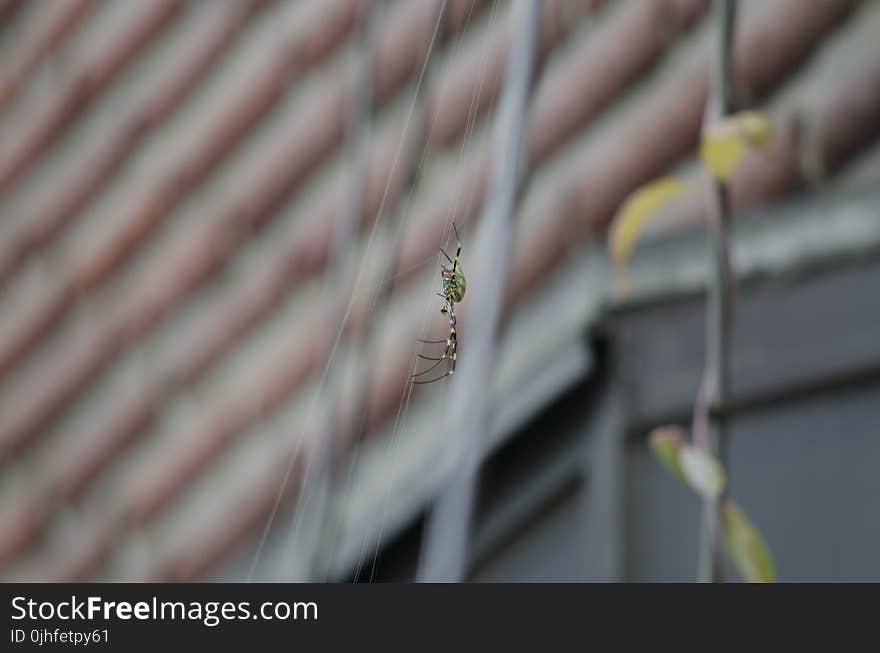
x,y
311,504
343,247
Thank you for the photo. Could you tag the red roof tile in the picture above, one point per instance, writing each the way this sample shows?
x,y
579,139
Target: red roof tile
x,y
87,84
53,22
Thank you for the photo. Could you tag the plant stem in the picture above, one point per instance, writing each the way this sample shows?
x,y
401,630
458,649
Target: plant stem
x,y
713,400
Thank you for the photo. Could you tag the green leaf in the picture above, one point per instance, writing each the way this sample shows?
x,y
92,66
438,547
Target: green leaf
x,y
635,213
702,472
746,546
667,443
725,144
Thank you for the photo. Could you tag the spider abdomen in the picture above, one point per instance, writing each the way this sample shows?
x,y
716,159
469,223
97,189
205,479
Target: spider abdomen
x,y
454,284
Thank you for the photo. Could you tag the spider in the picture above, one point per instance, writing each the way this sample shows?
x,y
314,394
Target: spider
x,y
453,284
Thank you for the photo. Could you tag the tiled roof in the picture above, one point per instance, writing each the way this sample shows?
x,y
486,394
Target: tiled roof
x,y
169,187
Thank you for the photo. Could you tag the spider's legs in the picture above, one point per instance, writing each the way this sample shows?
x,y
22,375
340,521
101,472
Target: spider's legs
x,y
445,356
458,251
450,346
449,354
442,376
425,371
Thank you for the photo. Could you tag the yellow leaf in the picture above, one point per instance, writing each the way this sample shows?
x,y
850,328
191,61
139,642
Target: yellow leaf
x,y
746,546
726,143
722,154
632,217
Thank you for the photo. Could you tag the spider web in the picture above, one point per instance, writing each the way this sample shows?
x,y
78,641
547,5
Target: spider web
x,y
308,493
